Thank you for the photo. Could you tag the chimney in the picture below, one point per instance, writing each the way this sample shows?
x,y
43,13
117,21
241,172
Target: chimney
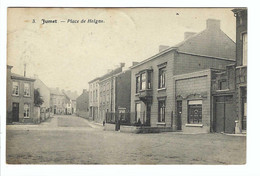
x,y
122,64
84,90
162,47
24,73
213,24
188,34
134,63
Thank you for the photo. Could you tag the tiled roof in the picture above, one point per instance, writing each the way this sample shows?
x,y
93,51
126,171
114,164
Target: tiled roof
x,y
17,76
71,95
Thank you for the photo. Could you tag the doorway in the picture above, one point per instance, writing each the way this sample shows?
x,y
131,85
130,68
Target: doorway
x,y
179,112
15,116
224,120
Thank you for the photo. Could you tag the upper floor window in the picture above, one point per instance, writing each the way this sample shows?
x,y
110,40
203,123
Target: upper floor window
x,y
149,80
162,72
137,84
244,36
26,89
143,81
26,108
15,90
223,85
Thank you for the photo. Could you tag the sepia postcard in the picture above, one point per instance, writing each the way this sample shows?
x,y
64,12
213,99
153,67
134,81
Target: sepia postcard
x,y
126,86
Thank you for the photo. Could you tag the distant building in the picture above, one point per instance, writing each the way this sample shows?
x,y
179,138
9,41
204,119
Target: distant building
x,y
82,103
45,95
20,98
173,87
57,101
70,101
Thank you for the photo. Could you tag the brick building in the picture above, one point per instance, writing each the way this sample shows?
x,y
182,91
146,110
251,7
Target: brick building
x,y
82,103
157,82
20,98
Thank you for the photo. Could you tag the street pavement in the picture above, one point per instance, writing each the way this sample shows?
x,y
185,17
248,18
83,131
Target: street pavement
x,y
75,140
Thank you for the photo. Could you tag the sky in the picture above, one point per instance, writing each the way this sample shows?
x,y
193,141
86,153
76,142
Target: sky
x,y
69,55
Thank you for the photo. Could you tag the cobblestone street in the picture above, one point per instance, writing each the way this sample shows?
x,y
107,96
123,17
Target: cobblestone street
x,y
74,140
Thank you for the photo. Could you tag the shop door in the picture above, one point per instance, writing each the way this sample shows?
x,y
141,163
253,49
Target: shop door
x,y
179,112
15,112
224,120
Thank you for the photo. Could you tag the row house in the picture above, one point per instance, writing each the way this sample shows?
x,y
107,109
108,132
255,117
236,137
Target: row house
x,y
94,99
82,103
57,101
20,98
173,87
107,92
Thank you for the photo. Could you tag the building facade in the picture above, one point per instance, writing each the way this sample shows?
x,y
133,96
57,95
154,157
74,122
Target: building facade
x,y
70,102
241,68
94,99
107,93
156,89
82,103
20,98
57,101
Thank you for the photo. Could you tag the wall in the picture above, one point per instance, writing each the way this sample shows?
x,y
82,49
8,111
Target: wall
x,y
82,105
184,63
195,86
44,92
123,90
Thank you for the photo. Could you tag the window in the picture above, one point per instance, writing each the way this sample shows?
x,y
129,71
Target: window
x,y
195,112
223,85
244,36
161,115
162,77
143,81
149,86
26,89
137,84
26,113
137,112
15,88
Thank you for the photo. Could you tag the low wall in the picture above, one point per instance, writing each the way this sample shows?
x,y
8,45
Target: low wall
x,y
109,127
195,129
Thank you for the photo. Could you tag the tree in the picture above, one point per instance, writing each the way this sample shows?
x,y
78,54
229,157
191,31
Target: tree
x,y
38,101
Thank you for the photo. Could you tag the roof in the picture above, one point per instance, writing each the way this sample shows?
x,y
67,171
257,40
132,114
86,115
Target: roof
x,y
20,77
236,10
56,91
71,95
211,42
93,80
113,72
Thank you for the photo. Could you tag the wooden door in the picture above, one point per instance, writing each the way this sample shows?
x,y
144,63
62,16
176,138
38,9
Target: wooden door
x,y
15,111
179,112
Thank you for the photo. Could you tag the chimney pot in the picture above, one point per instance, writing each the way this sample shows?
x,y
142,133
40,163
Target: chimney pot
x,y
213,24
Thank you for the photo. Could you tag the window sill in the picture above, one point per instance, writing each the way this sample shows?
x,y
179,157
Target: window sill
x,y
26,96
26,117
161,89
194,125
15,95
161,123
